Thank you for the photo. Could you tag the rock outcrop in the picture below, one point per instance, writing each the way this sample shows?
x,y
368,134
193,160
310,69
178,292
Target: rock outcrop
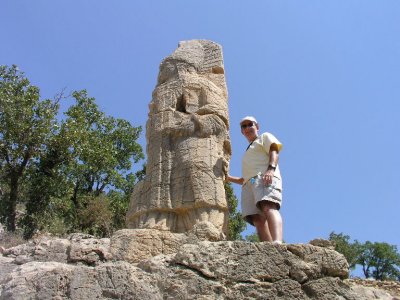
x,y
188,146
153,264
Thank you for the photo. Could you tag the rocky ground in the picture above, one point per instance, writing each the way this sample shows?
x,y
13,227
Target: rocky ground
x,y
392,287
151,264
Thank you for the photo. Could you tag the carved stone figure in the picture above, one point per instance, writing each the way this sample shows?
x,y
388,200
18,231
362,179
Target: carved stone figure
x,y
188,146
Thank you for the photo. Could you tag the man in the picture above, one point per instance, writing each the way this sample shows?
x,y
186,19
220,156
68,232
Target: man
x,y
261,182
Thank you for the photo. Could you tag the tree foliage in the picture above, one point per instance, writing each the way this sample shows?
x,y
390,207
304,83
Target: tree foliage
x,y
26,126
92,154
236,223
70,174
103,147
378,260
343,245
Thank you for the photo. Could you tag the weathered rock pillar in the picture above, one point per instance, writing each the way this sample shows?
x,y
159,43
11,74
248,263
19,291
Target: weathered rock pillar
x,y
188,146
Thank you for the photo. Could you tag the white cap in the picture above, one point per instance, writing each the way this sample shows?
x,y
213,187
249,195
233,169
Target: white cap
x,y
248,118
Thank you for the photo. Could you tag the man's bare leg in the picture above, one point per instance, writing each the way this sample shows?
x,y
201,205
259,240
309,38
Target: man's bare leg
x,y
274,220
260,222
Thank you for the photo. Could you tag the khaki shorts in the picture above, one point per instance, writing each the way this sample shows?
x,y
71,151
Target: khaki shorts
x,y
254,191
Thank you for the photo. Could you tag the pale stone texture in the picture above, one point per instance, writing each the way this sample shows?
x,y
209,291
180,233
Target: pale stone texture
x,y
376,289
323,243
53,280
134,245
77,248
372,293
230,261
180,267
188,146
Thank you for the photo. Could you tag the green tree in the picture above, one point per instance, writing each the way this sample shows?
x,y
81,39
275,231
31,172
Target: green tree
x,y
91,155
46,189
236,223
62,170
26,126
104,147
380,261
350,250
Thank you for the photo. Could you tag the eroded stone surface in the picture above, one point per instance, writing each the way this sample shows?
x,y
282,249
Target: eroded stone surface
x,y
188,146
317,261
135,245
77,248
371,293
53,280
274,262
375,289
180,267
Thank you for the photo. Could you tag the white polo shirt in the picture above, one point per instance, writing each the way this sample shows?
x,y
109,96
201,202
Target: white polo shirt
x,y
256,158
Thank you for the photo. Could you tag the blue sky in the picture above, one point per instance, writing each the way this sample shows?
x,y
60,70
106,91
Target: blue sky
x,y
323,76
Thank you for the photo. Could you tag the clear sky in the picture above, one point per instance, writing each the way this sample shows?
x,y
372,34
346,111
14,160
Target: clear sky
x,y
323,76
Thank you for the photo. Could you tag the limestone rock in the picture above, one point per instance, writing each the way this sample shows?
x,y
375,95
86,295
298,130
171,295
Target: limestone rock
x,y
182,267
371,293
7,265
41,249
376,289
188,146
88,250
77,248
323,243
53,280
269,262
319,261
135,245
329,288
46,280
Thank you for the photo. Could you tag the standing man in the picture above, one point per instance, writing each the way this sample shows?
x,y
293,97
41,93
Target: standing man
x,y
261,182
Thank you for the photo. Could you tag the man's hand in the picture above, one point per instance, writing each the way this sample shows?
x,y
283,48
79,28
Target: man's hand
x,y
268,176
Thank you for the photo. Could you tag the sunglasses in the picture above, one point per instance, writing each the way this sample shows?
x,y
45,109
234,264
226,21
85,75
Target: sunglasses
x,y
244,126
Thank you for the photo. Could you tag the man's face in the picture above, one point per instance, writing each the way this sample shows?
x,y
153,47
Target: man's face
x,y
249,130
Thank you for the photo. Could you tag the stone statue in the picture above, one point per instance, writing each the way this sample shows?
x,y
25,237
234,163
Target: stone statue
x,y
188,146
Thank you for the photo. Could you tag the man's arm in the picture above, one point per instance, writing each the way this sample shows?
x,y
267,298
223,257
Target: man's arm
x,y
234,179
273,162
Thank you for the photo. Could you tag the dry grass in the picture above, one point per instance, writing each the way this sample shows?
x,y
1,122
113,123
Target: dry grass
x,y
11,239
